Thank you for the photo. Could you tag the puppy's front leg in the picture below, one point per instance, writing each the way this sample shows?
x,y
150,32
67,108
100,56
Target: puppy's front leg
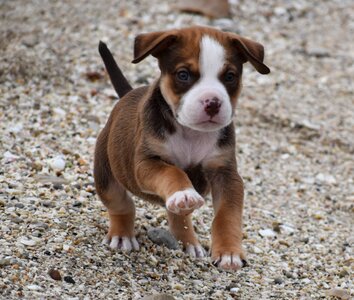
x,y
227,191
170,183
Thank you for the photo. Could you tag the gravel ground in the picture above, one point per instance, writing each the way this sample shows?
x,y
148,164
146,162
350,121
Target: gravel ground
x,y
295,151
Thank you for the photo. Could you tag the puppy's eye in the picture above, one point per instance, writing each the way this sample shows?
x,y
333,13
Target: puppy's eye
x,y
183,75
230,76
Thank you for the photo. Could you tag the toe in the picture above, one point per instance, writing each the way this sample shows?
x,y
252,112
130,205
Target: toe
x,y
121,243
229,262
115,241
126,244
195,250
135,244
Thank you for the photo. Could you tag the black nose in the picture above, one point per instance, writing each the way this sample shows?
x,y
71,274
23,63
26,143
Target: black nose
x,y
212,106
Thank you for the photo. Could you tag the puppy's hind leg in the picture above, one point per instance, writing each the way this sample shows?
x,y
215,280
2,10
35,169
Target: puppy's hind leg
x,y
121,212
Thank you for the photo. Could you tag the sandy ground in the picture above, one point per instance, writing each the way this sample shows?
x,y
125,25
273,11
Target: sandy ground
x,y
295,145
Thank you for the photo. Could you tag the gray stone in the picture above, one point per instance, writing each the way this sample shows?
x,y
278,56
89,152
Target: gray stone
x,y
45,178
278,280
161,236
19,205
5,262
158,297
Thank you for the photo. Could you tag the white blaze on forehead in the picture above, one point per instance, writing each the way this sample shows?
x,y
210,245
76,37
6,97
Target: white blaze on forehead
x,y
212,57
192,113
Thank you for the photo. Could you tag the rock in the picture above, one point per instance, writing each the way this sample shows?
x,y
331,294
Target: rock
x,y
54,274
57,186
41,225
225,24
9,157
304,240
59,112
286,229
66,247
210,8
234,290
325,178
257,250
30,41
318,52
5,262
19,205
34,287
57,163
343,273
28,241
16,128
69,279
45,179
158,297
47,204
278,280
280,11
289,275
339,293
267,233
77,204
161,236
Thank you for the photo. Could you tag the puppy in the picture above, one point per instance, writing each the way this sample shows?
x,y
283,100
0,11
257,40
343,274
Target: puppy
x,y
173,142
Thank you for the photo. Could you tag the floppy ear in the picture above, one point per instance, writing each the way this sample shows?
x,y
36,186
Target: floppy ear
x,y
252,52
152,43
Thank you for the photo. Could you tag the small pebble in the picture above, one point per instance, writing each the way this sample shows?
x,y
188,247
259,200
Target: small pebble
x,y
69,279
278,280
77,204
34,287
158,297
19,205
343,273
5,262
234,290
339,293
57,186
28,241
267,233
57,163
54,274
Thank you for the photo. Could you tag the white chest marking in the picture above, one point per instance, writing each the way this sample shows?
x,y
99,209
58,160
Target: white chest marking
x,y
188,147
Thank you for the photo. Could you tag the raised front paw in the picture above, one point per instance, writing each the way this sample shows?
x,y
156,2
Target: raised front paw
x,y
231,261
184,202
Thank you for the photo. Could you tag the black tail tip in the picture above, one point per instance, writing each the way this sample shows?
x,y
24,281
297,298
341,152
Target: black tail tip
x,y
101,46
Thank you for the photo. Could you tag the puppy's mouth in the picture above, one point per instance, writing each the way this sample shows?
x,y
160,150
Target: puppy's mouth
x,y
208,122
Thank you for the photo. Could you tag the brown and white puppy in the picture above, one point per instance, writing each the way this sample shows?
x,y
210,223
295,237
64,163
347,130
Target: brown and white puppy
x,y
173,142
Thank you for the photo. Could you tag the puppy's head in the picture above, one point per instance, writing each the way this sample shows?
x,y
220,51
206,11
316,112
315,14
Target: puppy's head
x,y
201,72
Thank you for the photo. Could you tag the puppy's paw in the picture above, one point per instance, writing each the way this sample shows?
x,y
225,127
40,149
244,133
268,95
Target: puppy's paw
x,y
121,243
195,250
229,261
184,202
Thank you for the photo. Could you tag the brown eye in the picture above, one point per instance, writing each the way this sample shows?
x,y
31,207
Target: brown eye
x,y
183,75
230,76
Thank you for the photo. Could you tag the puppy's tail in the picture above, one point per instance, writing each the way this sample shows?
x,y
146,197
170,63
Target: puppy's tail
x,y
120,83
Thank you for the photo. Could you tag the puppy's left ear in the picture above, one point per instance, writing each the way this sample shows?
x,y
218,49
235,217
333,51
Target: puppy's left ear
x,y
251,51
152,43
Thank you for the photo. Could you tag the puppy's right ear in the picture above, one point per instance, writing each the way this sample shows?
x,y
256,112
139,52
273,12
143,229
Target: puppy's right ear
x,y
152,43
